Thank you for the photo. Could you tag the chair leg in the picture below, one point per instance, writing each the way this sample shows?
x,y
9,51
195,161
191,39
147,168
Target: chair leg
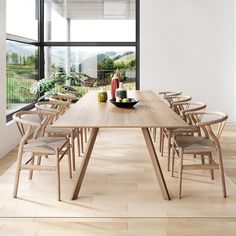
x,y
18,169
82,140
210,162
173,161
203,159
160,139
69,161
154,134
180,172
39,161
72,140
162,143
58,176
169,147
85,135
222,173
78,142
31,163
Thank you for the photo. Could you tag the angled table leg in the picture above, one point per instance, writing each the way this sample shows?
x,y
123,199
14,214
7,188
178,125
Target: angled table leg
x,y
156,163
84,163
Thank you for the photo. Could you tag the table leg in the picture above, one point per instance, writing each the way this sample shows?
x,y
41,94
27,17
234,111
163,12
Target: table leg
x,y
84,164
156,163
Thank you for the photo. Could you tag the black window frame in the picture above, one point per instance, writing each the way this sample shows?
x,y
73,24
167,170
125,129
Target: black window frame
x,y
24,40
41,44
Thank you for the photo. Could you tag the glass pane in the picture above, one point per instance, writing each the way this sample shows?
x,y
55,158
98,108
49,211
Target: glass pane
x,y
22,18
90,21
21,74
90,68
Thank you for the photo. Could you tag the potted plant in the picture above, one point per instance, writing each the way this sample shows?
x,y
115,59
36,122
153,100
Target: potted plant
x,y
58,81
43,88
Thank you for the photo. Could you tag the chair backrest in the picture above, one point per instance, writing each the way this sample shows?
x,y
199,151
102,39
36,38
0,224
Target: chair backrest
x,y
25,121
167,95
212,123
182,108
170,93
65,97
173,99
55,106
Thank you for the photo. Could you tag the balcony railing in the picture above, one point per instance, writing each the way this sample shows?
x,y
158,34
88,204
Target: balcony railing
x,y
18,87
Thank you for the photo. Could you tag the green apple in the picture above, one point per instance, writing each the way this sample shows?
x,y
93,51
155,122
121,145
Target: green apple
x,y
125,100
118,99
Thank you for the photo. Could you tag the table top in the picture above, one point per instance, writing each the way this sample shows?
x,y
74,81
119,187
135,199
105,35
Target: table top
x,y
150,111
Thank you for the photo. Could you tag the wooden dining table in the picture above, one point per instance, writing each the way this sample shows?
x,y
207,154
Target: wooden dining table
x,y
149,112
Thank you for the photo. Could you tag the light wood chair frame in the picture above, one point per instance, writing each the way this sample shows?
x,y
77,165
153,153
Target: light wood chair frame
x,y
211,134
79,131
171,100
58,108
183,108
32,130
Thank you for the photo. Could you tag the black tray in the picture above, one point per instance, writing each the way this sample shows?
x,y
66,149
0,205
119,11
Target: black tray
x,y
124,104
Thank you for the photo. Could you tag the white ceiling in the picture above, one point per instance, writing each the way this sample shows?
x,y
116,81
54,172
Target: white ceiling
x,y
94,9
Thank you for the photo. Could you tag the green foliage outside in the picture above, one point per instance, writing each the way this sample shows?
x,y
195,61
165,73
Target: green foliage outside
x,y
18,86
24,88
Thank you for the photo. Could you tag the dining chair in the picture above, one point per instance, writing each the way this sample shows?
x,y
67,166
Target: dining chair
x,y
171,100
79,132
73,96
57,108
212,125
164,94
34,142
183,109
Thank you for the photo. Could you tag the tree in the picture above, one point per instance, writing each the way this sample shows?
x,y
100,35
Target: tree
x,y
109,64
21,59
24,60
8,58
31,60
105,68
120,65
14,58
132,64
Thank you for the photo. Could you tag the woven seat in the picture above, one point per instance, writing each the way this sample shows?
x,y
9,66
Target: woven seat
x,y
195,144
60,131
44,145
186,130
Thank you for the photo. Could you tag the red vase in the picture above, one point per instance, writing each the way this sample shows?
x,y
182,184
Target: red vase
x,y
114,86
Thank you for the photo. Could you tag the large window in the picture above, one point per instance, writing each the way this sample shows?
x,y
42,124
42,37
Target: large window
x,y
90,21
92,67
21,53
22,18
87,40
91,39
21,74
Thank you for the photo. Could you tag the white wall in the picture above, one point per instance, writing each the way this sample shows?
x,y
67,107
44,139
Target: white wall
x,y
8,133
188,45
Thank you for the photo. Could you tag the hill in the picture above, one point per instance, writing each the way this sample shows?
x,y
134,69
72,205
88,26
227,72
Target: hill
x,y
126,59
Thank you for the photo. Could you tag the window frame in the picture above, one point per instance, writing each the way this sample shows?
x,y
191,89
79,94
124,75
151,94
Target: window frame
x,y
41,44
24,40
